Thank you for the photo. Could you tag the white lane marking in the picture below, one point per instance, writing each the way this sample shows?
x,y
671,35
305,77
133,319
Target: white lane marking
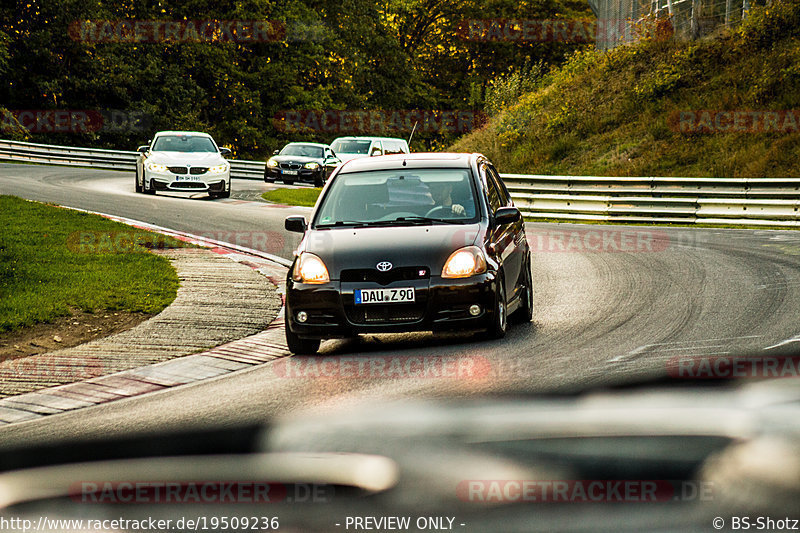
x,y
796,338
195,239
694,344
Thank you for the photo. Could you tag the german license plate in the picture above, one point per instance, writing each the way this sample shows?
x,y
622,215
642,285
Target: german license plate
x,y
290,172
384,296
187,178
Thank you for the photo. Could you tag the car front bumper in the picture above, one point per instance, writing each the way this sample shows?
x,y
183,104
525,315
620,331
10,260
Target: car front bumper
x,y
303,174
165,181
441,304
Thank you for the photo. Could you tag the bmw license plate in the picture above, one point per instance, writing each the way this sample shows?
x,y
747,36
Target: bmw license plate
x,y
290,172
187,178
384,296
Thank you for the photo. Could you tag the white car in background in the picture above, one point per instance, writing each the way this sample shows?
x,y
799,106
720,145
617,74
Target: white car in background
x,y
347,148
183,161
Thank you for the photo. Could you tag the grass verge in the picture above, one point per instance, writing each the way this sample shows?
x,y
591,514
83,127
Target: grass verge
x,y
618,113
302,196
53,260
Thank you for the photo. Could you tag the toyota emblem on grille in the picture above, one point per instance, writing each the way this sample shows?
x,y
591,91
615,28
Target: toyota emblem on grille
x,y
384,266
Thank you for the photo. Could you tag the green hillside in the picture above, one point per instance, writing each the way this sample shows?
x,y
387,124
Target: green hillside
x,y
658,108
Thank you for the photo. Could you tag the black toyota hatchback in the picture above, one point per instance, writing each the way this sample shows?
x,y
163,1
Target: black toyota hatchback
x,y
410,242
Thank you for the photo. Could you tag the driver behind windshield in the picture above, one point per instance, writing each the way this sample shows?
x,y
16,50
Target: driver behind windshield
x,y
442,194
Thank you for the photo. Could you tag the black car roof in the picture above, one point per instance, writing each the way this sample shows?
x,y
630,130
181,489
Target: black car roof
x,y
319,145
415,160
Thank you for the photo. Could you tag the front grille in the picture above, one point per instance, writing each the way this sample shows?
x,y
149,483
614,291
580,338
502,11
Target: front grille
x,y
291,166
373,275
197,171
188,185
177,170
376,313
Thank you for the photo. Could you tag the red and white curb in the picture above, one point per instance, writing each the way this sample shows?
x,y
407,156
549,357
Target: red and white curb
x,y
244,353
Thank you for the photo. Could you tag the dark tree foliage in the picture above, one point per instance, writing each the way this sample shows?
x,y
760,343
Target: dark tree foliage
x,y
328,55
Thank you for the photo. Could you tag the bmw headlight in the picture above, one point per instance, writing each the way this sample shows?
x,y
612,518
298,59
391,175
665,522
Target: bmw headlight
x,y
272,163
310,269
312,165
219,169
464,262
155,167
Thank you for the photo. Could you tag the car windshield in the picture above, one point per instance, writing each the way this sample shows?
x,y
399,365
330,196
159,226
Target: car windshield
x,y
351,147
303,150
183,143
399,195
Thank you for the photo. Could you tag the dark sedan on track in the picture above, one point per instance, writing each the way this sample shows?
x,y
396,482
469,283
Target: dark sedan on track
x,y
419,242
309,162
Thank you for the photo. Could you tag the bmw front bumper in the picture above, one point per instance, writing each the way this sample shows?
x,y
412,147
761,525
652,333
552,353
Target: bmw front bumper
x,y
167,181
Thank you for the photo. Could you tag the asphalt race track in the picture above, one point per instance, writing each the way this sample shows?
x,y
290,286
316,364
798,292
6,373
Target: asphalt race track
x,y
613,304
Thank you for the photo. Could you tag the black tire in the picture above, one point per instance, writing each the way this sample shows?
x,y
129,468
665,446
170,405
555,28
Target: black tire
x,y
223,194
497,329
319,181
300,346
525,312
150,189
269,180
137,186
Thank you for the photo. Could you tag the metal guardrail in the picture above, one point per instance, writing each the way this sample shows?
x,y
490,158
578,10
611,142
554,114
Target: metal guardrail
x,y
732,201
104,159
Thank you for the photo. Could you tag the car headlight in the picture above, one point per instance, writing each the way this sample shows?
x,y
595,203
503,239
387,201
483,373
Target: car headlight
x,y
219,169
272,163
312,165
464,262
155,167
310,269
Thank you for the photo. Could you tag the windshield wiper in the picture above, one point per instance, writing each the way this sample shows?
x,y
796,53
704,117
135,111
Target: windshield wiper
x,y
422,220
399,221
343,223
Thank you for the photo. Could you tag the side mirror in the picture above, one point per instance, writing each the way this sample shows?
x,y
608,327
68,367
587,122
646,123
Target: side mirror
x,y
143,149
276,152
225,152
295,224
506,215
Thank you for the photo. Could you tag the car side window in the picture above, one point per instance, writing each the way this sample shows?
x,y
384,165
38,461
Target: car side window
x,y
393,147
500,186
492,193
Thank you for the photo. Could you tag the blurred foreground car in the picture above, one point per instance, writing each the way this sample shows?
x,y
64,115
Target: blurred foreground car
x,y
407,243
596,461
309,162
185,161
